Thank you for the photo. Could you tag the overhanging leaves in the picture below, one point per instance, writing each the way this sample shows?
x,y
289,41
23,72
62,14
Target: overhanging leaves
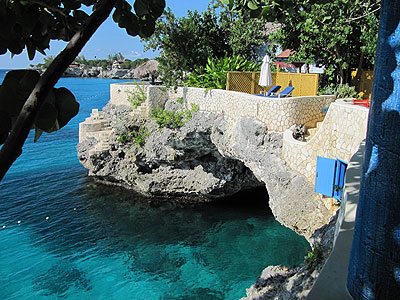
x,y
66,105
59,108
33,24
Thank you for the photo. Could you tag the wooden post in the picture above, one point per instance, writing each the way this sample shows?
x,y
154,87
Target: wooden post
x,y
228,76
316,84
253,82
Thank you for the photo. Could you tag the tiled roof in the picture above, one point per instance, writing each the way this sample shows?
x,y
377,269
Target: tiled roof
x,y
284,54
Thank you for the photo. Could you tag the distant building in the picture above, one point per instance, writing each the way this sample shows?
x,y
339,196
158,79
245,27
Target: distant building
x,y
117,64
282,60
74,65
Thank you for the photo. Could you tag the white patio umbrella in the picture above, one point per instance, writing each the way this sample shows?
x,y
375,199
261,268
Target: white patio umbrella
x,y
265,75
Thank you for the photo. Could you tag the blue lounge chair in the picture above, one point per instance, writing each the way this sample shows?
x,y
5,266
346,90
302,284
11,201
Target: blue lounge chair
x,y
284,93
271,91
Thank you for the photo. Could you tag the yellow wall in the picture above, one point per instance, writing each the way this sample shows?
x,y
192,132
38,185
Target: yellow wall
x,y
247,82
365,85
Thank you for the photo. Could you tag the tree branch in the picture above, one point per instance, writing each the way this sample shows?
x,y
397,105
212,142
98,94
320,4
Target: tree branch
x,y
365,15
12,148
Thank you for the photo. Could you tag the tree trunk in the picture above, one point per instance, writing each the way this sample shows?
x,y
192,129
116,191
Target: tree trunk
x,y
307,68
12,148
341,73
340,66
374,268
356,80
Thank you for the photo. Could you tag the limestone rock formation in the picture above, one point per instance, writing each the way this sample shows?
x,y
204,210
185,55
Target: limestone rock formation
x,y
210,157
117,73
171,163
73,72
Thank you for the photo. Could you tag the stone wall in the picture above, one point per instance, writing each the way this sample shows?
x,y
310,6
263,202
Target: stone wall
x,y
278,114
340,135
96,127
342,130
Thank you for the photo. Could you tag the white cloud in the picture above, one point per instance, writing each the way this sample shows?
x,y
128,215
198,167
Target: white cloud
x,y
133,55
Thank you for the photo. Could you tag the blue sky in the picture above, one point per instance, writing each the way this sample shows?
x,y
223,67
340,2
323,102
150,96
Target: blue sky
x,y
107,40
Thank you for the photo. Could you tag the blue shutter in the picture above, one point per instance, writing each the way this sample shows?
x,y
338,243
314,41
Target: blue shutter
x,y
325,176
341,167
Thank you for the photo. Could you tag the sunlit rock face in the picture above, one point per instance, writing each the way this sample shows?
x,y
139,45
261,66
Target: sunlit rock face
x,y
211,156
175,163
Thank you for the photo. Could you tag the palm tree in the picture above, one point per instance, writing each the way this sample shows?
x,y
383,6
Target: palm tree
x,y
47,61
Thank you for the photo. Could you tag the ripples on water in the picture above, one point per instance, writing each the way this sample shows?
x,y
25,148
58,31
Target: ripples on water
x,y
81,240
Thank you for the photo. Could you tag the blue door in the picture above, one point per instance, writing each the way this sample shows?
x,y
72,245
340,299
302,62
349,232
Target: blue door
x,y
329,177
325,176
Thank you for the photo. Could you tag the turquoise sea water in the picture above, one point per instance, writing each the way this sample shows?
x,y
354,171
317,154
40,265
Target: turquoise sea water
x,y
80,240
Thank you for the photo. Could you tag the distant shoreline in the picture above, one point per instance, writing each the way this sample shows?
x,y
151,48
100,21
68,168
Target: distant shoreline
x,y
94,72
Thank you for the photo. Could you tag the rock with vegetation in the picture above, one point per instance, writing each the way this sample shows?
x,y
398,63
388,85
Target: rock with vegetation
x,y
179,151
168,155
200,156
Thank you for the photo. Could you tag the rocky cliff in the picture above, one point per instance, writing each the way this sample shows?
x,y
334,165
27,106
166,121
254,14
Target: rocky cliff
x,y
211,156
100,73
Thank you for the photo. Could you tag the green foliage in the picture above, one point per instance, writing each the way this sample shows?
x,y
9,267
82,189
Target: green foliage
x,y
129,64
187,43
270,10
116,56
314,257
213,76
47,61
138,96
180,100
32,24
340,91
244,35
346,91
327,90
173,119
89,63
163,89
123,139
103,63
329,33
338,34
59,108
138,137
81,59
